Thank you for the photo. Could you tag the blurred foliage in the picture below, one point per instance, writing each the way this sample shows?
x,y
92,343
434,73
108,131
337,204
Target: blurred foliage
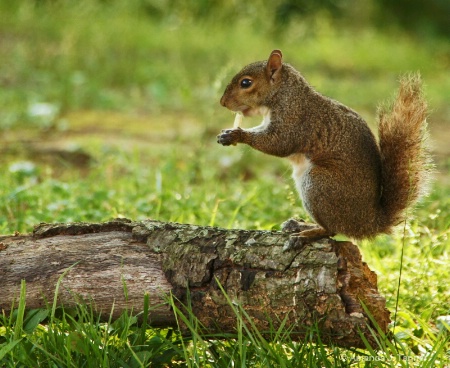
x,y
422,17
155,56
425,17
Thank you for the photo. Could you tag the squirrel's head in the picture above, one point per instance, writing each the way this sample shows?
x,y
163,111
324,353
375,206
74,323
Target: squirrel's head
x,y
253,85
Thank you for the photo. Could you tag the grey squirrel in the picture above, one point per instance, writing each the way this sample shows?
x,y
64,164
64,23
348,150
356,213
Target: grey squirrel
x,y
352,185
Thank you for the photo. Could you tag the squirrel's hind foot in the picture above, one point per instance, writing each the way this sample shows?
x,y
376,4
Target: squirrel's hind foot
x,y
314,233
303,234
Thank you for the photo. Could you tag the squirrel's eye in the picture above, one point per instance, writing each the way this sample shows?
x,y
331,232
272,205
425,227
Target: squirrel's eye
x,y
246,83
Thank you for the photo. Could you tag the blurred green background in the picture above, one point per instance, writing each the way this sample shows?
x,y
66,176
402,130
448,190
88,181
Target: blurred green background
x,y
110,108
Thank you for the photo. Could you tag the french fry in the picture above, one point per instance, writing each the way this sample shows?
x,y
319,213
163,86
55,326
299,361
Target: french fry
x,y
238,120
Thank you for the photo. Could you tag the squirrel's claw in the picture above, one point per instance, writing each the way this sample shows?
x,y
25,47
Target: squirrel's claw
x,y
295,226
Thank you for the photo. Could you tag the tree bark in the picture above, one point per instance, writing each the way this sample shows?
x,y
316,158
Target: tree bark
x,y
115,263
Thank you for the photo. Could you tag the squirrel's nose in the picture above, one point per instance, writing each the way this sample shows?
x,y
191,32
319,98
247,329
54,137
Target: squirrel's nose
x,y
222,101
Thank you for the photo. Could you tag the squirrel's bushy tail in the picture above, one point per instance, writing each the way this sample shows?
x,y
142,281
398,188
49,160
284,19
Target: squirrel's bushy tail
x,y
406,162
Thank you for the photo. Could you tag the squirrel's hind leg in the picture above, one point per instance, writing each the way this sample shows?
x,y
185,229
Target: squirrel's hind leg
x,y
307,234
314,233
301,228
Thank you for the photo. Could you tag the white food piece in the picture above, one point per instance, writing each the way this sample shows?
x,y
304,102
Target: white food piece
x,y
238,120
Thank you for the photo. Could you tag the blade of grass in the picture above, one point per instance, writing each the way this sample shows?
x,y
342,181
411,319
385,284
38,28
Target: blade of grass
x,y
18,329
55,298
8,347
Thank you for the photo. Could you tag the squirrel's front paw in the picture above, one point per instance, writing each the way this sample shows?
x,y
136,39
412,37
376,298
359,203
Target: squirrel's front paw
x,y
229,137
294,226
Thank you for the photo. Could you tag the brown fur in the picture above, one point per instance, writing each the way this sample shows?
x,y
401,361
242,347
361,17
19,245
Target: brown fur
x,y
404,157
352,185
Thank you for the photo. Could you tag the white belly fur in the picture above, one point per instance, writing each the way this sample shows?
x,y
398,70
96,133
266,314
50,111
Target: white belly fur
x,y
299,164
265,112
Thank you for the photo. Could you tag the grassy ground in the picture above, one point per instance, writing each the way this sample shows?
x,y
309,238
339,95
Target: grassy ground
x,y
106,112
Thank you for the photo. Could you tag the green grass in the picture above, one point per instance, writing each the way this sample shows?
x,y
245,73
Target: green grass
x,y
138,94
57,337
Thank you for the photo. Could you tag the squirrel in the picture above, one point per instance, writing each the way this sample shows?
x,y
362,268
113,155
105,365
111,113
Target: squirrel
x,y
352,185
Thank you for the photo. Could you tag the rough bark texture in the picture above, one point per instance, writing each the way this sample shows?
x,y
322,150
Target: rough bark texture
x,y
324,283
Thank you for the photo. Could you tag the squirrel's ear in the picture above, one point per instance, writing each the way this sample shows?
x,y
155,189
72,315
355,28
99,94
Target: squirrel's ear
x,y
274,65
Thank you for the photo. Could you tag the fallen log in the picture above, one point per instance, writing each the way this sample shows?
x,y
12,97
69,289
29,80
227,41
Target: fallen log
x,y
324,282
